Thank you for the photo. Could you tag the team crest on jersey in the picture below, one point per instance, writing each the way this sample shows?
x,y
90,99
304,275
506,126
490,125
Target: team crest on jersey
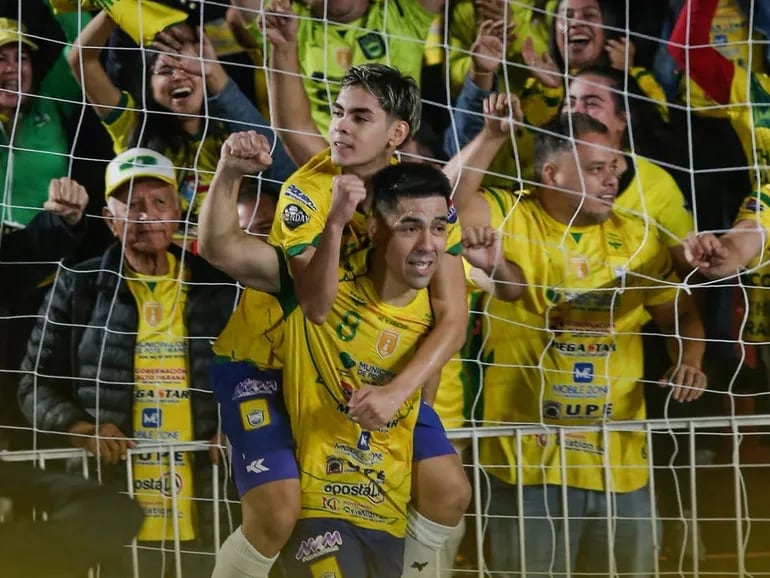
x,y
386,343
372,45
297,195
153,313
293,216
254,414
579,267
343,56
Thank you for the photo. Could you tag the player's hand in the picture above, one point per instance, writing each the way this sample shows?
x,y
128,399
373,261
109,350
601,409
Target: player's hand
x,y
106,441
245,153
348,191
279,23
500,112
372,407
542,66
482,248
616,51
216,445
487,50
66,198
687,381
704,251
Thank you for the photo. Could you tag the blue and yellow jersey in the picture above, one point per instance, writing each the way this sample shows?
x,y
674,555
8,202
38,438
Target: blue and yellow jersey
x,y
569,352
304,205
363,477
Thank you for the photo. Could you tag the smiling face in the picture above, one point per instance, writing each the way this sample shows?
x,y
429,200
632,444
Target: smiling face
x,y
595,167
411,239
144,215
15,76
363,136
175,89
579,36
591,94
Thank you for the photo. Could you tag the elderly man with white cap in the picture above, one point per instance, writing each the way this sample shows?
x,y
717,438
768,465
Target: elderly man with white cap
x,y
120,355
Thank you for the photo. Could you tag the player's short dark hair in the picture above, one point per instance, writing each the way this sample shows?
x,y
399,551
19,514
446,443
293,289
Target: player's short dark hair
x,y
406,181
398,94
559,136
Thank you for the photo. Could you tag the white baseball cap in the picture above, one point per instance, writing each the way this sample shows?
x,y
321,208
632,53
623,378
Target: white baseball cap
x,y
137,163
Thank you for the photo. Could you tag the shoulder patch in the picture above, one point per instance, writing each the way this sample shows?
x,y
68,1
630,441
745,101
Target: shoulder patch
x,y
451,215
293,216
372,45
295,194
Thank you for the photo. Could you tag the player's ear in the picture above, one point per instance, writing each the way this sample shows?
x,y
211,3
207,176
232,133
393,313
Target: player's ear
x,y
110,219
371,226
549,174
399,132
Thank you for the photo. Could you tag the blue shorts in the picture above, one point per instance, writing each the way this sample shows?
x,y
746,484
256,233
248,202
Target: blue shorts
x,y
327,547
255,421
430,439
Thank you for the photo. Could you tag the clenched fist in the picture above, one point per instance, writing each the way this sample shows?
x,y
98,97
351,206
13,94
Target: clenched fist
x,y
67,198
245,153
348,191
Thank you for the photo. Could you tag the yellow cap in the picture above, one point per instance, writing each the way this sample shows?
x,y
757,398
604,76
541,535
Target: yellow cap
x,y
137,163
11,32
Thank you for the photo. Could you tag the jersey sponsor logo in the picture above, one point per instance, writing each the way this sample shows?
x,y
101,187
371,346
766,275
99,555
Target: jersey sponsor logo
x,y
293,216
163,394
374,375
162,484
338,465
254,414
581,390
363,441
297,195
347,360
158,434
153,312
583,372
372,45
558,410
152,417
370,491
364,513
579,267
362,456
386,343
578,442
154,458
319,545
584,349
257,466
253,386
585,300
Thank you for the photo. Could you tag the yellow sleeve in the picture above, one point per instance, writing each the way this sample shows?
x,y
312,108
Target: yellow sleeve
x,y
300,216
154,17
540,103
756,207
120,123
665,198
651,88
659,272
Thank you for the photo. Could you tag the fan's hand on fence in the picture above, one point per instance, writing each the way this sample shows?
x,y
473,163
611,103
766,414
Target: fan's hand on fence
x,y
373,407
481,247
687,381
245,153
66,198
348,191
616,51
542,66
279,23
704,250
105,441
500,110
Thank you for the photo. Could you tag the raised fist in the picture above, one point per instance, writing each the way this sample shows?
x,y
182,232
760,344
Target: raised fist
x,y
245,153
348,191
66,198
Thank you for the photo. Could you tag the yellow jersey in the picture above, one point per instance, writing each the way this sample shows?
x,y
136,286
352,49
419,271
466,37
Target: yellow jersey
x,y
195,167
750,117
569,352
363,477
391,32
304,205
756,207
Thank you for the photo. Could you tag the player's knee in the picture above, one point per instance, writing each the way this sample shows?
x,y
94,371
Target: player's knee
x,y
444,492
270,512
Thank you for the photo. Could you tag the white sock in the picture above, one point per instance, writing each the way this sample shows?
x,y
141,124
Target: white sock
x,y
239,559
424,539
449,551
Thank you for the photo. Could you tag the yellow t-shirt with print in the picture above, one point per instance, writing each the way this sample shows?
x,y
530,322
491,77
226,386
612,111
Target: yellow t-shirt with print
x,y
361,477
391,32
254,331
195,167
569,352
750,117
304,205
756,208
162,405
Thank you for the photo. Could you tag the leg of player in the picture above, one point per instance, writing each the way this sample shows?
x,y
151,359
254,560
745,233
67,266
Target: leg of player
x,y
441,494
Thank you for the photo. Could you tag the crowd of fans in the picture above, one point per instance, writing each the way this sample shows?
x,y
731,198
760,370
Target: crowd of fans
x,y
595,137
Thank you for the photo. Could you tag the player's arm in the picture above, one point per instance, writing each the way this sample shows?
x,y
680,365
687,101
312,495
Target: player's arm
x,y
492,271
87,68
221,241
289,105
466,169
717,257
679,318
315,270
705,65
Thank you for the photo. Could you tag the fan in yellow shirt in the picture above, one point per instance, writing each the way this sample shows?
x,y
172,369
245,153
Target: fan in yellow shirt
x,y
568,352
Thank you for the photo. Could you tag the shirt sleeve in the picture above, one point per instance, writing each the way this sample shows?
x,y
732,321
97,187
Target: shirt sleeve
x,y
300,218
121,121
658,273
